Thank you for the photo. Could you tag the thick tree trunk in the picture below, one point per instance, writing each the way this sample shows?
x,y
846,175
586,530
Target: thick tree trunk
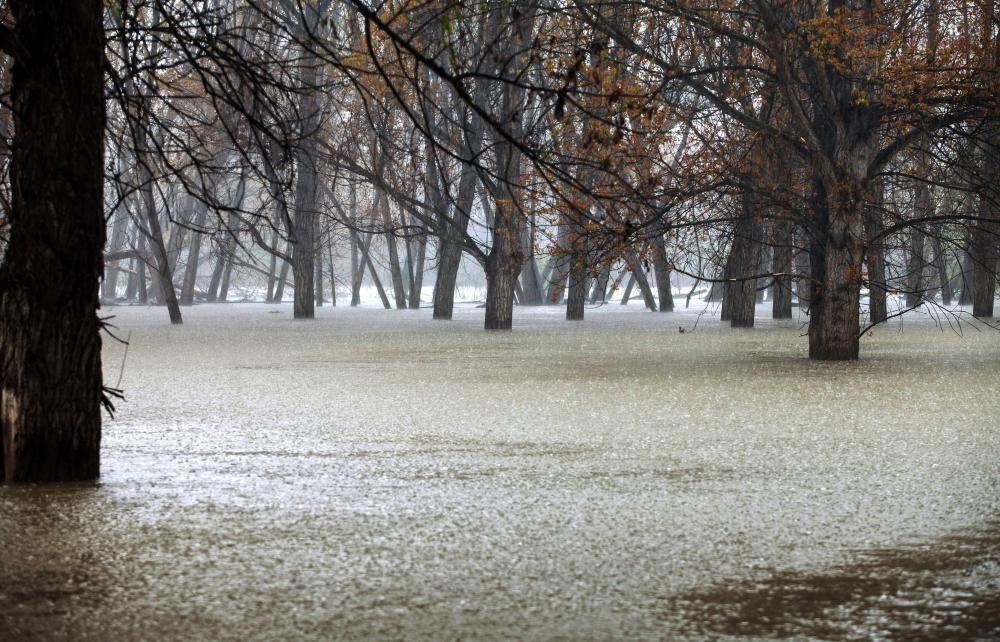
x,y
834,327
50,343
450,244
661,268
306,184
576,293
500,292
579,283
449,257
739,299
640,279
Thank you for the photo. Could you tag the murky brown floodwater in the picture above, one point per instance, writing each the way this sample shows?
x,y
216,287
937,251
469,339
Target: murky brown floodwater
x,y
376,475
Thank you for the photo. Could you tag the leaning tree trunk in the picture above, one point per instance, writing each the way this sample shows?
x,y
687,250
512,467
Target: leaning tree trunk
x,y
50,343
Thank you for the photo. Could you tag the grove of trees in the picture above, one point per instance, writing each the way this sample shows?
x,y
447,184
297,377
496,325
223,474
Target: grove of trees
x,y
836,154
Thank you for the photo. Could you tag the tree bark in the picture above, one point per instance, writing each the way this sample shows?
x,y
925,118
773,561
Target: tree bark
x,y
739,299
834,327
662,271
50,343
781,266
878,309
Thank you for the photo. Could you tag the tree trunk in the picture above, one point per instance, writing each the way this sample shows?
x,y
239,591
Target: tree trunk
x,y
739,299
119,230
576,294
878,309
600,291
915,268
161,273
781,266
306,184
143,294
834,327
941,265
194,256
662,270
395,271
417,285
50,343
333,278
986,234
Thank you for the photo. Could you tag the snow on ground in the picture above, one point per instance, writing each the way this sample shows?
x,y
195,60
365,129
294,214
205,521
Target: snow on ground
x,y
378,475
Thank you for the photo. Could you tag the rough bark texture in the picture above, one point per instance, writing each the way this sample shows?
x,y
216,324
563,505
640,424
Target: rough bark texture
x,y
834,327
306,188
50,343
662,271
739,299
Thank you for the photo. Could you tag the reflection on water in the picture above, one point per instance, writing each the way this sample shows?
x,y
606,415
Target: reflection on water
x,y
948,589
381,476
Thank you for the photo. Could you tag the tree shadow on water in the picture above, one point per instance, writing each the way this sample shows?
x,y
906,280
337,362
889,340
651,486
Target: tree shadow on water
x,y
945,590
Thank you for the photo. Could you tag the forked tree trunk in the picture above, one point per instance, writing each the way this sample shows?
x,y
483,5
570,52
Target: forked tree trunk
x,y
50,343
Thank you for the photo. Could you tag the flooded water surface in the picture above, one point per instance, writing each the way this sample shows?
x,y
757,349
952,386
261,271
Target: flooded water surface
x,y
378,475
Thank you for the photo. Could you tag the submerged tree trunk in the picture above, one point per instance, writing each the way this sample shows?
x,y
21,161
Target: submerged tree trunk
x,y
576,294
878,309
662,270
986,235
834,327
781,266
50,343
194,256
739,300
600,292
